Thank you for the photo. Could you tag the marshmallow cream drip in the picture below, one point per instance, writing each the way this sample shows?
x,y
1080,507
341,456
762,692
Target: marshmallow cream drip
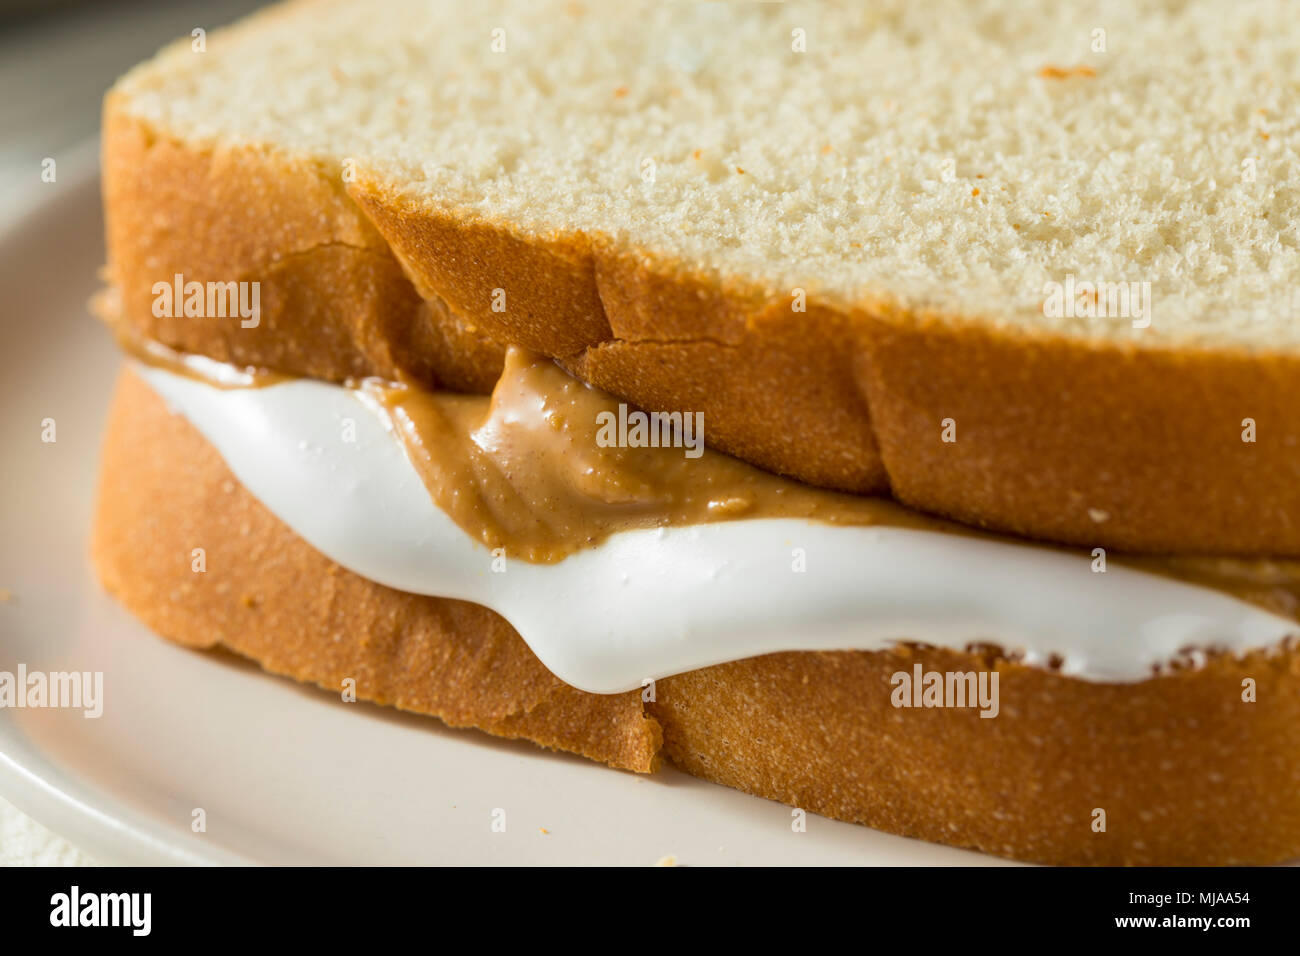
x,y
649,602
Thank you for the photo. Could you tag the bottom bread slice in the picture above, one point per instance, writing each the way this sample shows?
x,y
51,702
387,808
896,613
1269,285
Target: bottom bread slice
x,y
1199,766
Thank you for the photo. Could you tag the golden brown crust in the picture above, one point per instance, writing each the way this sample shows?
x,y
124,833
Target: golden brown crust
x,y
334,303
266,594
1068,441
771,393
1185,770
1140,451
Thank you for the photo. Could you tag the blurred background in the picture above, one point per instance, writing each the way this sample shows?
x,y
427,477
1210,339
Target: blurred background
x,y
57,57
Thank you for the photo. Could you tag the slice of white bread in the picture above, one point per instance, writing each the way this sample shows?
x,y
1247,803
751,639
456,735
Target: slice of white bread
x,y
651,193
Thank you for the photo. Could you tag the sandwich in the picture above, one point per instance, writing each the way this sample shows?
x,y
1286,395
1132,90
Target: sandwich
x,y
886,409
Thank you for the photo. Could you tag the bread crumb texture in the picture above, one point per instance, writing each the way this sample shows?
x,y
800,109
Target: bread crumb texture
x,y
944,156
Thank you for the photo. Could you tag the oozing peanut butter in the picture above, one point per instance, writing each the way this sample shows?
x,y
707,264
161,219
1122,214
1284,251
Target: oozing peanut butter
x,y
1271,584
523,470
200,368
530,470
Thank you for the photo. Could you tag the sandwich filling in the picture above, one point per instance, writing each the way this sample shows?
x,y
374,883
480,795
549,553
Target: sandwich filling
x,y
623,552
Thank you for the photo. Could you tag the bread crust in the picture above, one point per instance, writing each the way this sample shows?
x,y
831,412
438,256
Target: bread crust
x,y
267,595
1185,770
1083,443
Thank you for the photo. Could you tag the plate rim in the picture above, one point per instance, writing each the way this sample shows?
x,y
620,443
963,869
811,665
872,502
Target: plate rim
x,y
103,829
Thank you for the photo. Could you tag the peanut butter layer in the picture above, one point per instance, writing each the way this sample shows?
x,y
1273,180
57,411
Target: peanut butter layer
x,y
548,465
190,365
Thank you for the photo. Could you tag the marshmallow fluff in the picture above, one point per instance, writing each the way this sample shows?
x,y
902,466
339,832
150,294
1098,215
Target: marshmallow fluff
x,y
652,602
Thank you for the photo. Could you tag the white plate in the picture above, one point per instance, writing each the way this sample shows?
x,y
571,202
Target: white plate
x,y
284,773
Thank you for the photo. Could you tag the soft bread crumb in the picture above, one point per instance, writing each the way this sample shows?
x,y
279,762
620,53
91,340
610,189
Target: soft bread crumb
x,y
1109,153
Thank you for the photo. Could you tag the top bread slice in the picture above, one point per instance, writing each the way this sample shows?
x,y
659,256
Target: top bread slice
x,y
844,233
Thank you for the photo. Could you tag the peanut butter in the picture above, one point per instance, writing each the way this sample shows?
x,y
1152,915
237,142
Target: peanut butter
x,y
523,470
1271,584
198,367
